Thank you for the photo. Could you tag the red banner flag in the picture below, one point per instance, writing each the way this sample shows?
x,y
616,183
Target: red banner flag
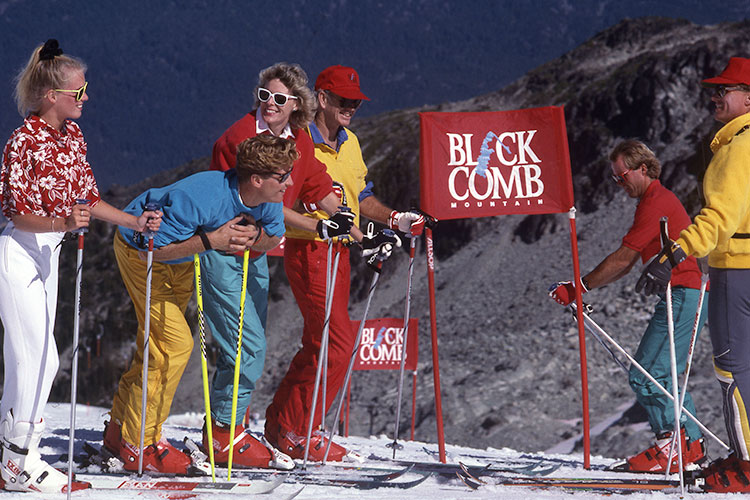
x,y
494,163
381,345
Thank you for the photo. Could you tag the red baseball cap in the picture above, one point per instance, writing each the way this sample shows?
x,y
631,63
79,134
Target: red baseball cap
x,y
737,72
342,81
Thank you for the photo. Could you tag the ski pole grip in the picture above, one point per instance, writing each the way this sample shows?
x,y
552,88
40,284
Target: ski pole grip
x,y
82,230
663,230
430,221
150,207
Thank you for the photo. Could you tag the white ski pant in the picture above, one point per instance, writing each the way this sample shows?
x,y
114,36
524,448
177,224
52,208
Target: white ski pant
x,y
28,303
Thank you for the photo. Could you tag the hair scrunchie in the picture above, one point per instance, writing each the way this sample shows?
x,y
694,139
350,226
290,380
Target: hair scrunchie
x,y
50,50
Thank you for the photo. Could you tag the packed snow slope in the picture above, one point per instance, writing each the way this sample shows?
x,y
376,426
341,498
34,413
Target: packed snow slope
x,y
89,426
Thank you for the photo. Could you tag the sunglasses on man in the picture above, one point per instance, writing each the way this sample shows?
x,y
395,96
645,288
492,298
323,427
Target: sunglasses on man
x,y
281,177
721,90
341,102
78,92
279,98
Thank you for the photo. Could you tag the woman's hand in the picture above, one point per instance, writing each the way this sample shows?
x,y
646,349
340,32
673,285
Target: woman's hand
x,y
80,216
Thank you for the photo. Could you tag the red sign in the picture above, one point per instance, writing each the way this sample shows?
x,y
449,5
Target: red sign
x,y
382,341
495,163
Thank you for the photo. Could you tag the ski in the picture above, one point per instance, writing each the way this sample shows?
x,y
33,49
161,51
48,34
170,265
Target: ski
x,y
610,485
242,486
110,468
198,456
104,482
523,458
540,468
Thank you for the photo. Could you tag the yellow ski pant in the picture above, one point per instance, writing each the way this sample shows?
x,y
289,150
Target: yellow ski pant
x,y
170,341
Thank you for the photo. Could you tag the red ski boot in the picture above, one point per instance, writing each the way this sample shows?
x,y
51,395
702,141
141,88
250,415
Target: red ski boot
x,y
727,475
161,457
112,436
294,446
249,451
654,459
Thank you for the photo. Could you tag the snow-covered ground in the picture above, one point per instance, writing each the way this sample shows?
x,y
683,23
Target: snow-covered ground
x,y
89,423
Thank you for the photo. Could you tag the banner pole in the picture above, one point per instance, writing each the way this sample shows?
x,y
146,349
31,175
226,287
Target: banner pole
x,y
433,329
581,340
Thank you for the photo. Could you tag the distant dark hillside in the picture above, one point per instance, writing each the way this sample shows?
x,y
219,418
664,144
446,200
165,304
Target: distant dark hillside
x,y
166,78
509,354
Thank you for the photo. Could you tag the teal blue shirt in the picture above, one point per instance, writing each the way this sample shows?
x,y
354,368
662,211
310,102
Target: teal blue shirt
x,y
205,200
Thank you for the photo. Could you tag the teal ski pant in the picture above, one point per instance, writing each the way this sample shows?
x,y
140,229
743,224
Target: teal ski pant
x,y
221,279
653,355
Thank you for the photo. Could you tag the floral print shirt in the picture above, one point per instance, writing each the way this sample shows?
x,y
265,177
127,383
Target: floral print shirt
x,y
44,170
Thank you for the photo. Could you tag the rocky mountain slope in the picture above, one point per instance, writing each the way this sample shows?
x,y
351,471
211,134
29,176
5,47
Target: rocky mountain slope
x,y
508,354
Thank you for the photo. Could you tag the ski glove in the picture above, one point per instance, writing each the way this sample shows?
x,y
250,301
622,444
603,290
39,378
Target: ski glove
x,y
339,224
411,222
380,244
658,272
564,292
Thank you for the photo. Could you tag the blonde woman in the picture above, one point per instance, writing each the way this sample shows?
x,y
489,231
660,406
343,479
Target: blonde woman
x,y
44,172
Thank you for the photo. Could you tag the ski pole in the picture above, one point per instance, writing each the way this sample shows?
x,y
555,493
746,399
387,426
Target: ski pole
x,y
146,338
323,345
412,247
663,224
237,360
204,364
588,309
376,262
74,366
324,348
694,336
706,430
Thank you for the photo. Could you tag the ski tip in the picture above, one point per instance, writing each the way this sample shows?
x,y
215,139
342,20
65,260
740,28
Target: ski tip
x,y
468,482
294,495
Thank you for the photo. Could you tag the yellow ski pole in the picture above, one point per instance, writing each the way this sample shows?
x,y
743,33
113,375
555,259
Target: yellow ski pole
x,y
204,364
237,359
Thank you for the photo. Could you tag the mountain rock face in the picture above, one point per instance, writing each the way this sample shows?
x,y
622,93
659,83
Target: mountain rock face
x,y
509,356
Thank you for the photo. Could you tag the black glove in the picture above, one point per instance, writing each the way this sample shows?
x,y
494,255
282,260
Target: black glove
x,y
339,224
655,277
381,244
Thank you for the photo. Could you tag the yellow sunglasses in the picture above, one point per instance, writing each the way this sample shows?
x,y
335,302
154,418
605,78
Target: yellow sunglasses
x,y
79,92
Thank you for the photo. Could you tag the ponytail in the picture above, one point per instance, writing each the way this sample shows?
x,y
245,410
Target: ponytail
x,y
48,68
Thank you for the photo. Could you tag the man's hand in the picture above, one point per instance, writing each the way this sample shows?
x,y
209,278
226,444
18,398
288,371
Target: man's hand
x,y
381,243
411,223
233,236
564,292
149,220
339,224
658,272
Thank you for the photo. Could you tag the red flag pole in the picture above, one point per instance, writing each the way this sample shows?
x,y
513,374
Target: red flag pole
x,y
581,341
433,328
413,402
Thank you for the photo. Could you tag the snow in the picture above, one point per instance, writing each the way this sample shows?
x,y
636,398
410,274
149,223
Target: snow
x,y
89,423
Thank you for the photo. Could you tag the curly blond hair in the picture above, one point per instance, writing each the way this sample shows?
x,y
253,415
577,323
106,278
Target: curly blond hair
x,y
264,155
295,79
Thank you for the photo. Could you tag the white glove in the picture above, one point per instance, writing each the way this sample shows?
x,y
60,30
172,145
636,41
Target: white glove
x,y
411,223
